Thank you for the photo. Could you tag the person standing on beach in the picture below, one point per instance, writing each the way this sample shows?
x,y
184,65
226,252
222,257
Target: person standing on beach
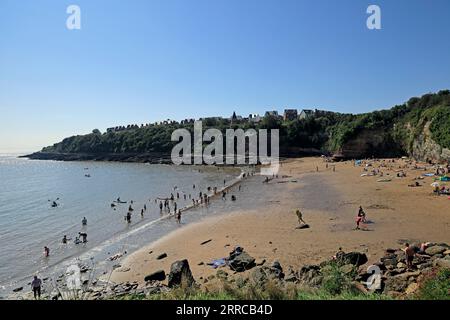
x,y
83,235
142,213
175,207
46,252
178,217
160,206
36,287
409,255
299,217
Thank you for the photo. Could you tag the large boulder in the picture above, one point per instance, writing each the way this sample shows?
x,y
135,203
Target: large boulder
x,y
435,250
442,262
159,275
355,258
180,274
241,262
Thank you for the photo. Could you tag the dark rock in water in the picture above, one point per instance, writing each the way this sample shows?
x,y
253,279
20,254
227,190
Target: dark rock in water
x,y
241,262
18,289
180,274
161,256
435,250
354,258
159,275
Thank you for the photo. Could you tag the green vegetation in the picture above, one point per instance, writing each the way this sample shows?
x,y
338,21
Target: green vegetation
x,y
324,132
436,286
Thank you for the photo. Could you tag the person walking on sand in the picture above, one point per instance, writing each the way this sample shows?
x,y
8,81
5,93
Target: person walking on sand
x,y
300,217
362,214
36,287
409,255
178,217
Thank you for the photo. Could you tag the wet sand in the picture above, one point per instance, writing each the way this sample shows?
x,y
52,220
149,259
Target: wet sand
x,y
329,201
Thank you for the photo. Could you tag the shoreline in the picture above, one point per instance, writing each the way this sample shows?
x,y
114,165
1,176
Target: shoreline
x,y
397,213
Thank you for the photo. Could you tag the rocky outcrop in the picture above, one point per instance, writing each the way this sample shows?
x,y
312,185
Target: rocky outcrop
x,y
180,274
241,262
426,149
159,275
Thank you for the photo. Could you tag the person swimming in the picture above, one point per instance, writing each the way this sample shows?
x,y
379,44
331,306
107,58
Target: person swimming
x,y
64,239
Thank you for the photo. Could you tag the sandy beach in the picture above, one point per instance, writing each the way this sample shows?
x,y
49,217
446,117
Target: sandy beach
x,y
329,200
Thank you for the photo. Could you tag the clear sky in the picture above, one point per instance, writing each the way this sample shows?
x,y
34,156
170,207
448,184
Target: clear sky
x,y
142,61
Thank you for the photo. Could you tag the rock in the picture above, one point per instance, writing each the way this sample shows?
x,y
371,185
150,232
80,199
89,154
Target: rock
x,y
442,262
123,269
290,276
241,262
389,262
446,252
412,288
398,284
401,265
354,258
159,275
201,263
261,262
435,250
180,274
310,274
221,274
18,289
161,256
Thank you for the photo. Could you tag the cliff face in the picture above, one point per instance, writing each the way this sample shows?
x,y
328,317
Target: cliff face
x,y
426,149
417,144
373,142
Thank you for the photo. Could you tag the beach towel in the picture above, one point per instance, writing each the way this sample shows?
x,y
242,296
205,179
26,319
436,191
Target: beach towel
x,y
217,263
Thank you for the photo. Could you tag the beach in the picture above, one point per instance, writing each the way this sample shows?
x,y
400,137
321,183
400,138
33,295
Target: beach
x,y
329,195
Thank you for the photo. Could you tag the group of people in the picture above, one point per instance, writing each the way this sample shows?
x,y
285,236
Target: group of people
x,y
81,238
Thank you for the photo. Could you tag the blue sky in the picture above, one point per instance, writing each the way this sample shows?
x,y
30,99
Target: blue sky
x,y
142,61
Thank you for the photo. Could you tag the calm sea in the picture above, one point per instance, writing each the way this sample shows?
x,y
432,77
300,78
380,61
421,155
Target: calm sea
x,y
28,222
